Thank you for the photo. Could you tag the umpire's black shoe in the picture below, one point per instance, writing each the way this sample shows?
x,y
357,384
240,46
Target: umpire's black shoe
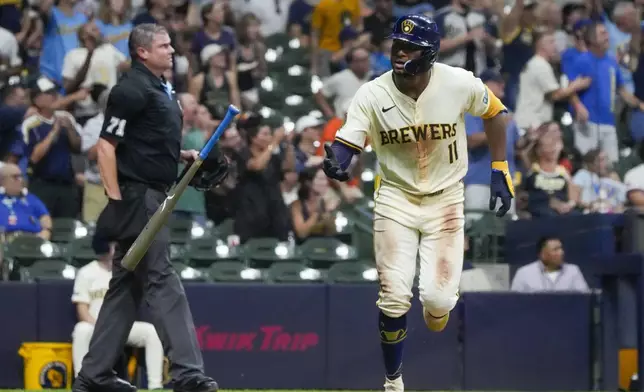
x,y
197,384
114,384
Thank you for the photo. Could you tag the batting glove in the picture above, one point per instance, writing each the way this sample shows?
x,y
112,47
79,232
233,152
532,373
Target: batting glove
x,y
332,167
501,187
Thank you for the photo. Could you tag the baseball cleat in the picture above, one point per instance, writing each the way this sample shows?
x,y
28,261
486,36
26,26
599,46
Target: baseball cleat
x,y
433,323
395,385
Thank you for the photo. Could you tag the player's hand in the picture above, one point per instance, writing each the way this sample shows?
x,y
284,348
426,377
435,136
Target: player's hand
x,y
331,167
189,156
501,187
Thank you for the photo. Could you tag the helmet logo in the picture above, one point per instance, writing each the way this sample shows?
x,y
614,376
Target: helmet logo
x,y
407,26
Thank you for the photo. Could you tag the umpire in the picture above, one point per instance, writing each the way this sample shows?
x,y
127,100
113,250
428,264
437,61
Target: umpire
x,y
138,156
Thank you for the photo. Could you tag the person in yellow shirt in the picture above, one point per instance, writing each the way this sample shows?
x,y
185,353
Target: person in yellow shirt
x,y
328,20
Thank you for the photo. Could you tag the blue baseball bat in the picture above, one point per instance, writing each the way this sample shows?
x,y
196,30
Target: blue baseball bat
x,y
160,217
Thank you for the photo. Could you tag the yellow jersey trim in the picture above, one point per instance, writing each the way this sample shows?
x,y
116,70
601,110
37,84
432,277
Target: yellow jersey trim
x,y
495,107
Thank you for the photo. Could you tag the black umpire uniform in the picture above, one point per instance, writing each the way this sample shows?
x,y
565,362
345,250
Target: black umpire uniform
x,y
144,119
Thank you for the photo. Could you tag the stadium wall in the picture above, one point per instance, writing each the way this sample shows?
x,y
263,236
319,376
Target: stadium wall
x,y
325,337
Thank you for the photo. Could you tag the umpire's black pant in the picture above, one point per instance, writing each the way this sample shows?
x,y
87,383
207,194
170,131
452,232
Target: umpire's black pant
x,y
154,281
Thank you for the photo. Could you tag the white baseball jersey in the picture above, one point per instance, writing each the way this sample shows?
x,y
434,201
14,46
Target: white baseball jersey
x,y
90,286
421,145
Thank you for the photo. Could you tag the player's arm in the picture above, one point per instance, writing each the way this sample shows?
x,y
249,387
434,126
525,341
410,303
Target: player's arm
x,y
124,103
350,139
485,104
81,297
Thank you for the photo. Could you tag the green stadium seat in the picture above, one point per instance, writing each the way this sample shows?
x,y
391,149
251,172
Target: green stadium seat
x,y
180,230
26,249
80,252
54,269
486,237
189,274
225,228
262,252
323,252
67,230
296,106
178,253
205,251
292,272
272,92
233,271
276,41
359,272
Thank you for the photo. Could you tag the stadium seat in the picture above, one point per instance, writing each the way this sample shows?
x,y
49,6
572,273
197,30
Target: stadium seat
x,y
486,237
80,252
276,41
322,252
262,252
225,228
272,91
180,230
232,271
296,106
189,274
178,253
205,251
26,249
66,230
53,269
292,272
351,273
296,79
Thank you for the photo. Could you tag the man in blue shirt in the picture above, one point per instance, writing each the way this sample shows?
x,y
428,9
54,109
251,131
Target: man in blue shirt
x,y
49,139
595,107
477,179
21,211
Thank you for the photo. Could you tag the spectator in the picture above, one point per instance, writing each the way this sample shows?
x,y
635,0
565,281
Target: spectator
x,y
50,137
90,287
516,32
342,86
61,35
307,139
95,62
192,204
94,198
329,18
569,56
273,15
599,192
380,22
634,180
404,7
214,32
381,58
260,210
290,187
477,181
538,86
311,215
595,108
251,65
216,85
115,23
637,116
550,22
155,11
548,184
549,273
10,58
625,22
299,20
464,38
12,112
21,212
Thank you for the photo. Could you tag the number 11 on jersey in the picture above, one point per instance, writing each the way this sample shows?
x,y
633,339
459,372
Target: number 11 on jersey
x,y
453,152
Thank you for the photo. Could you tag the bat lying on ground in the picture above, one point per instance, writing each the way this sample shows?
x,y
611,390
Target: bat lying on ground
x,y
160,217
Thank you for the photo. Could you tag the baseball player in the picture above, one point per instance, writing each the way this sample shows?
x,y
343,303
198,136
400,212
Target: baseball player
x,y
90,287
413,117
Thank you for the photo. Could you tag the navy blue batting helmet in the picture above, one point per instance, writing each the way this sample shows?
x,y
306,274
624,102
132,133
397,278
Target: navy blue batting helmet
x,y
422,31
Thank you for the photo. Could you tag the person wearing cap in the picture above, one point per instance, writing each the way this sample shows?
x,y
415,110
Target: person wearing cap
x,y
569,56
538,85
308,129
50,138
90,286
477,179
138,156
516,32
216,84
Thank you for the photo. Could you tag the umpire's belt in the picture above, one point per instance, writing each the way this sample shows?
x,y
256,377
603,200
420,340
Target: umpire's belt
x,y
129,186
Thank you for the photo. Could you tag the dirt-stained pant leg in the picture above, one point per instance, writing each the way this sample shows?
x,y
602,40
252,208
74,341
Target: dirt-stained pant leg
x,y
441,251
396,250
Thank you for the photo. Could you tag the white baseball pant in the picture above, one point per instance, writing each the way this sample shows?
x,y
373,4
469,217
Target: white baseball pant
x,y
408,227
142,335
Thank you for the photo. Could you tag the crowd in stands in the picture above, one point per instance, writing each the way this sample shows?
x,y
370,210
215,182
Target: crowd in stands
x,y
571,74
